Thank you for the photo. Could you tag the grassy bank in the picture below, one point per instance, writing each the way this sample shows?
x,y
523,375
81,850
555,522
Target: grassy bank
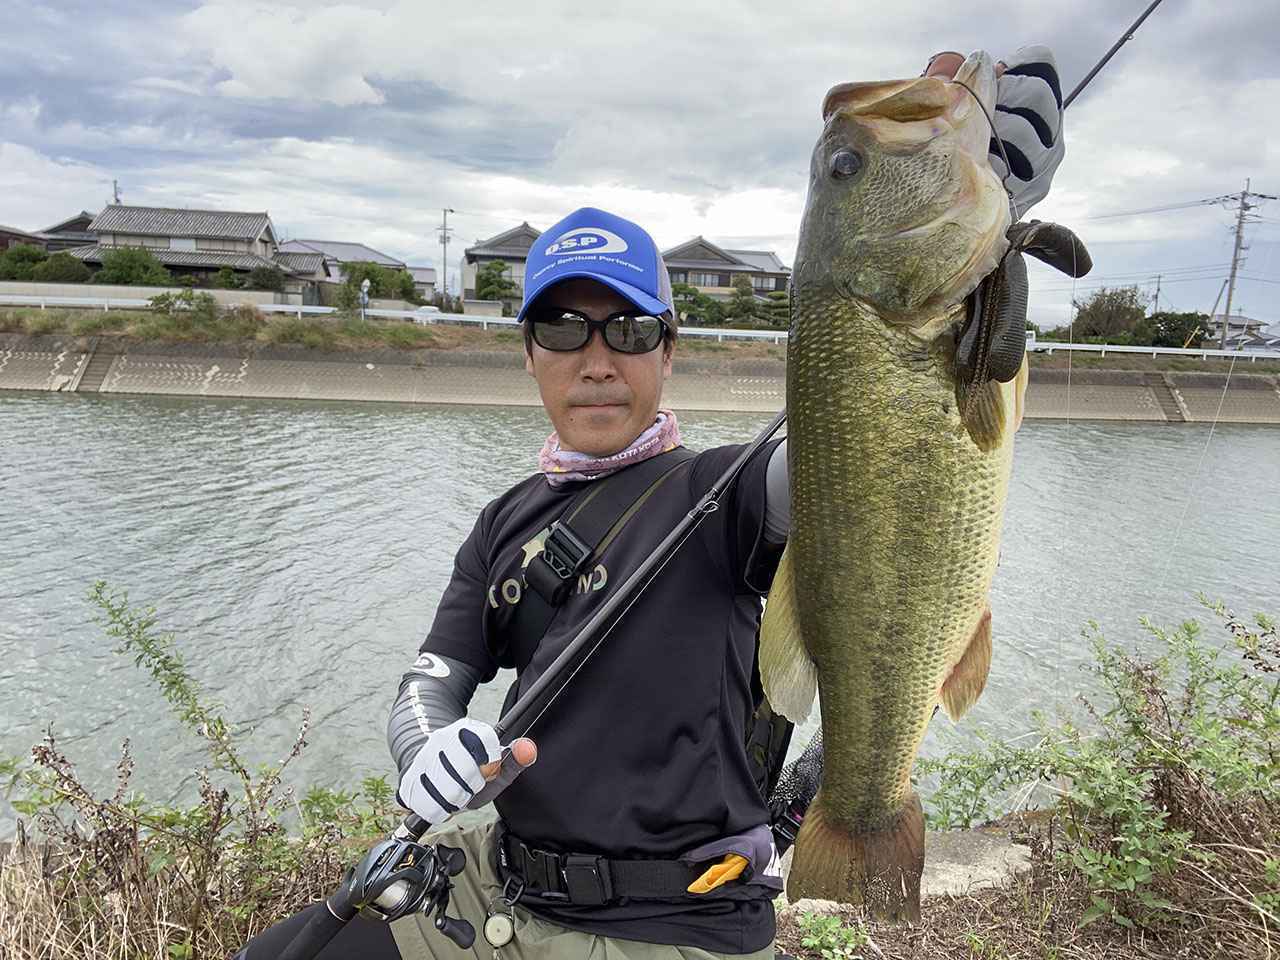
x,y
1162,841
335,333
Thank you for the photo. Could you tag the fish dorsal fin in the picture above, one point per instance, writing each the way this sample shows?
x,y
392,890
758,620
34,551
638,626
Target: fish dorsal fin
x,y
787,672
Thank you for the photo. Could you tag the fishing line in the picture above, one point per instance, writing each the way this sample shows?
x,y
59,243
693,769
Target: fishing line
x,y
1008,169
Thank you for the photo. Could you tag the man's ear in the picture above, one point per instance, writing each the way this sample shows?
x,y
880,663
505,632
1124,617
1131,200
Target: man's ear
x,y
528,361
667,350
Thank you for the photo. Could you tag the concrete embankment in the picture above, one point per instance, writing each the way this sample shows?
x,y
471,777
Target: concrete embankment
x,y
113,365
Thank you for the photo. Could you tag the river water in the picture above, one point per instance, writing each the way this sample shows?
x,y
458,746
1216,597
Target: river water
x,y
296,550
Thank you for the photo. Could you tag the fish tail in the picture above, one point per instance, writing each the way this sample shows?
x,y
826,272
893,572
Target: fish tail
x,y
880,870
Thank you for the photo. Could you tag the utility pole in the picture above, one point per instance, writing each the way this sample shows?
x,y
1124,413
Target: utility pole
x,y
1245,206
1235,262
444,242
1155,308
115,191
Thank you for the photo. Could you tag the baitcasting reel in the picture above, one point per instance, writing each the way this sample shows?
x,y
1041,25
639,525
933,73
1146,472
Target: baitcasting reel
x,y
400,876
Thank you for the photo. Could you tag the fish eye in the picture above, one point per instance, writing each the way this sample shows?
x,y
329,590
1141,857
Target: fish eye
x,y
845,163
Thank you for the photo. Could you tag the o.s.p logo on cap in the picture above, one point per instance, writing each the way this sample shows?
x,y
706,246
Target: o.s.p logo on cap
x,y
586,239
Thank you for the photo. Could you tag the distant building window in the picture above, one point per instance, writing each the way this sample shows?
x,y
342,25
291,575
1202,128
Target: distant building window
x,y
182,243
679,276
706,280
761,283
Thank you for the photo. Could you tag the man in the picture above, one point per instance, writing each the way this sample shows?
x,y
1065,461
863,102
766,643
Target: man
x,y
618,837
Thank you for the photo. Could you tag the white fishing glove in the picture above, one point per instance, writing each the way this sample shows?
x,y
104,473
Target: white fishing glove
x,y
445,772
1028,121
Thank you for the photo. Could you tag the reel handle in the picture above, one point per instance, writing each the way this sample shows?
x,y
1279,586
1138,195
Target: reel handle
x,y
459,931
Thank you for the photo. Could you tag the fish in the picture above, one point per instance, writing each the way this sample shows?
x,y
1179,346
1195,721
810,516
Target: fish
x,y
899,468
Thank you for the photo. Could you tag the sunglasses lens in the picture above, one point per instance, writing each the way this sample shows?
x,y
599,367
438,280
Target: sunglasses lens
x,y
559,330
633,334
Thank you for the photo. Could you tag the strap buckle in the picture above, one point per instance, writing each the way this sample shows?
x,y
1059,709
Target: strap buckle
x,y
586,879
564,553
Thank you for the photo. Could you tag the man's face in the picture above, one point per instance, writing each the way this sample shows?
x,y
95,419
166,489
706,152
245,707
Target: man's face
x,y
599,400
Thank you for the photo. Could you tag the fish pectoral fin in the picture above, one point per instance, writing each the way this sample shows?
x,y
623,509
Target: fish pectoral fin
x,y
982,410
787,672
968,677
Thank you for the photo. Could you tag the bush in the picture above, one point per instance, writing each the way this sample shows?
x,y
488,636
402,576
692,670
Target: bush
x,y
133,265
266,278
227,279
135,878
1170,797
20,261
202,307
61,268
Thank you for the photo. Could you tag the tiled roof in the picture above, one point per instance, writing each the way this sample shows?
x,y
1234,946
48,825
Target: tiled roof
x,y
170,222
304,263
341,251
21,233
765,260
510,243
183,258
60,226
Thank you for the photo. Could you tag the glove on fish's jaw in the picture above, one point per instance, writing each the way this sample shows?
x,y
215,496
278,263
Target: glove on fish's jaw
x,y
904,211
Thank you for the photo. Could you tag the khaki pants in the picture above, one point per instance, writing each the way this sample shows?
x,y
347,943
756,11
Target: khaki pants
x,y
476,887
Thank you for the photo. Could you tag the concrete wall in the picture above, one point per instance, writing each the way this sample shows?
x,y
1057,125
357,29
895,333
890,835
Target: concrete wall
x,y
483,308
115,292
443,376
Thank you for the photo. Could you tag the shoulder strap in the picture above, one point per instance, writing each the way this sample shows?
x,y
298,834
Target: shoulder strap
x,y
588,525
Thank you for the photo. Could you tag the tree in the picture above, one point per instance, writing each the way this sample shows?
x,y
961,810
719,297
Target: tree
x,y
18,262
778,309
697,309
132,265
384,282
61,268
1114,314
1178,329
743,305
227,279
267,278
492,282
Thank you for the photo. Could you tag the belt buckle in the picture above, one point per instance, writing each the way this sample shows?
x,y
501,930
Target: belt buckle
x,y
586,879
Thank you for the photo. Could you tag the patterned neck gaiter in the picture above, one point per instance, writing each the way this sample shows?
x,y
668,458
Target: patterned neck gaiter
x,y
561,466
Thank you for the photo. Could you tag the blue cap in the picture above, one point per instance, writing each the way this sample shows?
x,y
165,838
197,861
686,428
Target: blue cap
x,y
595,244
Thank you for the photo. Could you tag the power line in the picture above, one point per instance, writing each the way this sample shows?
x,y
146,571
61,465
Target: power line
x,y
1164,209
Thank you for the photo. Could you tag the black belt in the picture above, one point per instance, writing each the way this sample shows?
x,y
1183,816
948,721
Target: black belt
x,y
586,880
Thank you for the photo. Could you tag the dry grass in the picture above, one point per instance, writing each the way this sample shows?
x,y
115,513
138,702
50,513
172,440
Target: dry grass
x,y
1038,916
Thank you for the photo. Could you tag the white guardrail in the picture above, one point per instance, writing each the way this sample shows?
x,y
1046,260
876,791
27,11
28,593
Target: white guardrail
x,y
715,333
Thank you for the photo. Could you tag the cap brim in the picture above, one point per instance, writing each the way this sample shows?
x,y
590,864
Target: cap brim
x,y
639,299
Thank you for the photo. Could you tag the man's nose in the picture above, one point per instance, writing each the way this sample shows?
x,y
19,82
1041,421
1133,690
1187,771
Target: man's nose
x,y
597,359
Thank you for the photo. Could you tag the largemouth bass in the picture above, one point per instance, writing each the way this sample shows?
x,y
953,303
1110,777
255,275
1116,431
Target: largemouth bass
x,y
899,471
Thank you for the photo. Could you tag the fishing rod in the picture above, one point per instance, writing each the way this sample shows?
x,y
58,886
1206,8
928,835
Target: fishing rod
x,y
400,876
1124,38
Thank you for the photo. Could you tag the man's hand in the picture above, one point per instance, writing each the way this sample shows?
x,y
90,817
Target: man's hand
x,y
454,765
1028,120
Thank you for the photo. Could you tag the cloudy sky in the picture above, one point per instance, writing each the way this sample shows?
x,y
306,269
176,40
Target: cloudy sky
x,y
360,120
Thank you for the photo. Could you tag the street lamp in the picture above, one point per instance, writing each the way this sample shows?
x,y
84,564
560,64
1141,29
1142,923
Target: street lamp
x,y
364,297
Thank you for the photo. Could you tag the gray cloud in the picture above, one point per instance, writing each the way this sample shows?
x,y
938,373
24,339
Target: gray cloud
x,y
363,121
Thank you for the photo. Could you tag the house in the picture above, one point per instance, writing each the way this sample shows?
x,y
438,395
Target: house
x,y
12,236
512,248
337,253
424,281
200,243
713,269
71,232
698,262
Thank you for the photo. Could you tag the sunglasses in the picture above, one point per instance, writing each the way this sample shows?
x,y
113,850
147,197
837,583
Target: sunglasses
x,y
564,330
